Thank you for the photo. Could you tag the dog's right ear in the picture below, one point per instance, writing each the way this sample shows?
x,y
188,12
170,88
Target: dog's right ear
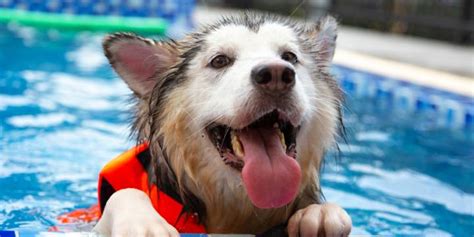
x,y
139,61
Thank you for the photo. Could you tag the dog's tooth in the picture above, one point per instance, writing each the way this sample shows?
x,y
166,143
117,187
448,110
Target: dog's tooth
x,y
236,145
282,139
275,125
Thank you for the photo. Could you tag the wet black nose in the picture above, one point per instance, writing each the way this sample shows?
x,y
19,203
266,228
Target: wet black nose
x,y
273,78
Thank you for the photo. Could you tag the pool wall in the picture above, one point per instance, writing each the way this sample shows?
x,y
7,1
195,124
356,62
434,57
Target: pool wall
x,y
169,10
177,13
452,110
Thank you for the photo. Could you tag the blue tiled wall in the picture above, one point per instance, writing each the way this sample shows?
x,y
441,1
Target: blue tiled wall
x,y
453,110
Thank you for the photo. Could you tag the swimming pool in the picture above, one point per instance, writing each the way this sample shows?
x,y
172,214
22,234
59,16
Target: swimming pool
x,y
63,115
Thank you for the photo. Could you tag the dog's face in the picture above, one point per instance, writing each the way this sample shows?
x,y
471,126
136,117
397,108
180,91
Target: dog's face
x,y
243,74
253,93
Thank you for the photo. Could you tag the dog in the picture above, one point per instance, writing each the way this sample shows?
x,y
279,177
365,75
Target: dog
x,y
237,116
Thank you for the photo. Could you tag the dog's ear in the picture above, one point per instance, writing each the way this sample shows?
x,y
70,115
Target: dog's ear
x,y
140,62
322,36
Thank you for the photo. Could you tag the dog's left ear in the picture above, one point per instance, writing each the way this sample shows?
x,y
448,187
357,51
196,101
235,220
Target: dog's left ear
x,y
140,62
322,36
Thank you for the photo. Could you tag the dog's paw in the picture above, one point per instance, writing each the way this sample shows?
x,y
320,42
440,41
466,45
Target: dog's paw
x,y
320,220
137,228
129,213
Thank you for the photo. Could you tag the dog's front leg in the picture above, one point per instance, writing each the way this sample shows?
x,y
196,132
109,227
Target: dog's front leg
x,y
129,213
320,220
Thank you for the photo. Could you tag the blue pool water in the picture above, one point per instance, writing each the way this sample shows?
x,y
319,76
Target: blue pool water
x,y
63,115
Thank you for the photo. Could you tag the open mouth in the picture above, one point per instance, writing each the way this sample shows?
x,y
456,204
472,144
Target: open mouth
x,y
229,141
264,153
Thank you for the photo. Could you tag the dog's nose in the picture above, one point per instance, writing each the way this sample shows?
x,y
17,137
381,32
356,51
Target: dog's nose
x,y
273,78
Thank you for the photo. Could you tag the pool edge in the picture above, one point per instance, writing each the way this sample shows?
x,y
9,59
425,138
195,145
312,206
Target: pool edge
x,y
417,75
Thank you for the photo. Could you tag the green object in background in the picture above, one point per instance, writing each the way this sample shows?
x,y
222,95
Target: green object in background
x,y
84,22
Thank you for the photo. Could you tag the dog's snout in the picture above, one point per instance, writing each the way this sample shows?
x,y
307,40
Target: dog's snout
x,y
273,78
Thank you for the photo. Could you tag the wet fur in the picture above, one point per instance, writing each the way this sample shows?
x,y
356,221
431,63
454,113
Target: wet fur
x,y
184,157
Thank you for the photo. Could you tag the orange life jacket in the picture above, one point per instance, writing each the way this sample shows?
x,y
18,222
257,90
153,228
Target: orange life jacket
x,y
129,170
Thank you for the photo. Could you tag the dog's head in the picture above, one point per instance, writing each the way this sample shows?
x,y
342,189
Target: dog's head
x,y
248,100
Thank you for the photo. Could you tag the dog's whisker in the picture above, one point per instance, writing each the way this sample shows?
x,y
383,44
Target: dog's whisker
x,y
226,133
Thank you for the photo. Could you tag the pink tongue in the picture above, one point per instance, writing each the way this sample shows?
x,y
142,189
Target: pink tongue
x,y
271,177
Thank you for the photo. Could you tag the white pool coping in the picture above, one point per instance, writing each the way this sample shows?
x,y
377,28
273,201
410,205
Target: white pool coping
x,y
406,72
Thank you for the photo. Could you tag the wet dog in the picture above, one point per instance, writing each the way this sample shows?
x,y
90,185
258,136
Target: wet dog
x,y
238,116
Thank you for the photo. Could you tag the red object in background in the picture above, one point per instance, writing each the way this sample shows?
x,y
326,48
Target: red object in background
x,y
85,215
78,220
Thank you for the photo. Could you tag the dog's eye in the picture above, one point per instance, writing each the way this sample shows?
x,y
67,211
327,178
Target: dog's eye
x,y
220,61
290,57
